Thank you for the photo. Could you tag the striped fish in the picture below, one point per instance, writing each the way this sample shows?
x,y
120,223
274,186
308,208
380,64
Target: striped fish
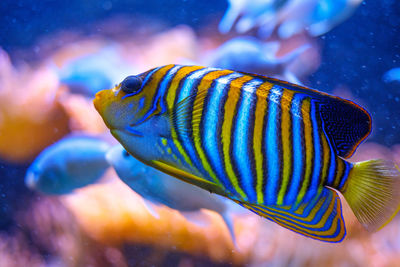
x,y
275,148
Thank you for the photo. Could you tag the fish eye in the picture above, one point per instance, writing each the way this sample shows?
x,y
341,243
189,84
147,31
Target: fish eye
x,y
125,154
131,84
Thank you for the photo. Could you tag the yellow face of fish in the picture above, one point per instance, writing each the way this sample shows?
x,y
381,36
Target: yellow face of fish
x,y
124,106
128,110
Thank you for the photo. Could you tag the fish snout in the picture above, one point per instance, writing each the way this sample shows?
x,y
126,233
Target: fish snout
x,y
98,99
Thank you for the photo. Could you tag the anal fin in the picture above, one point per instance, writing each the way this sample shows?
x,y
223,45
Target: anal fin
x,y
320,219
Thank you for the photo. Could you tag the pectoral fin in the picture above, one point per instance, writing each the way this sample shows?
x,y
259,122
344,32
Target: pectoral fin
x,y
188,177
187,113
319,219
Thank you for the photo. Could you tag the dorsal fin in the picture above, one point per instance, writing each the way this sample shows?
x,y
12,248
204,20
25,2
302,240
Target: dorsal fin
x,y
345,123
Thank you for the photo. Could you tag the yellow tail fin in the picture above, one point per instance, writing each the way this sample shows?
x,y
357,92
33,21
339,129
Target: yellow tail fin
x,y
373,192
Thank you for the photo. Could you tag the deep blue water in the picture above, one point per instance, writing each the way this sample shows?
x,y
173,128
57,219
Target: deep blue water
x,y
356,53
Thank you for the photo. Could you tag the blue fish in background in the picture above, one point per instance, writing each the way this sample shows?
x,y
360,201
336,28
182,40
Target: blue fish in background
x,y
316,16
248,54
160,188
249,13
392,75
71,163
288,17
94,72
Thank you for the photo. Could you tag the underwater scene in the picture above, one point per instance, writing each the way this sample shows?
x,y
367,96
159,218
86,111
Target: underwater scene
x,y
199,133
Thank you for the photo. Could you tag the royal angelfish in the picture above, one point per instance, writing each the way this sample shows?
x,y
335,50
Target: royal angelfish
x,y
273,147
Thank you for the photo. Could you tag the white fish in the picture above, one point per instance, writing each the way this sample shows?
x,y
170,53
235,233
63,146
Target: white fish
x,y
160,188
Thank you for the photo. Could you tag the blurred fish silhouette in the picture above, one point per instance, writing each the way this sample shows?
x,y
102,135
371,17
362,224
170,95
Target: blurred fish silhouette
x,y
71,163
248,54
289,17
93,72
249,13
276,148
392,75
160,188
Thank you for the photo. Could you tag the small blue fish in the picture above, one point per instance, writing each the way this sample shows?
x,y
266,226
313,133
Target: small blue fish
x,y
94,72
287,17
160,188
248,13
392,75
71,163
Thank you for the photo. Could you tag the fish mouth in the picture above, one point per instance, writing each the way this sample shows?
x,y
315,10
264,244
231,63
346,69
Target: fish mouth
x,y
102,102
105,96
98,100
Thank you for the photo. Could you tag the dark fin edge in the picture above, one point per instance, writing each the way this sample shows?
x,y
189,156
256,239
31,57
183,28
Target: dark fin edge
x,y
345,148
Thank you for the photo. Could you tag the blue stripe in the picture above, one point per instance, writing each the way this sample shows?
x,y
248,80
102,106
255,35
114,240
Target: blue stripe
x,y
326,197
164,86
160,93
316,174
283,224
332,164
187,89
211,121
297,149
272,144
318,216
347,169
241,142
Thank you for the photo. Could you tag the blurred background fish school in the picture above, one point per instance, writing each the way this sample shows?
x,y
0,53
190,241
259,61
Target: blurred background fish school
x,y
68,192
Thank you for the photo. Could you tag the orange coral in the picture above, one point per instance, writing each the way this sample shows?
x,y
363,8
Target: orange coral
x,y
30,118
112,213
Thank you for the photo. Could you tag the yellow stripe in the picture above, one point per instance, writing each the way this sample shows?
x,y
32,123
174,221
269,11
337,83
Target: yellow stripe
x,y
287,210
199,104
150,89
305,110
322,222
181,73
326,154
286,129
261,106
339,172
269,213
226,134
